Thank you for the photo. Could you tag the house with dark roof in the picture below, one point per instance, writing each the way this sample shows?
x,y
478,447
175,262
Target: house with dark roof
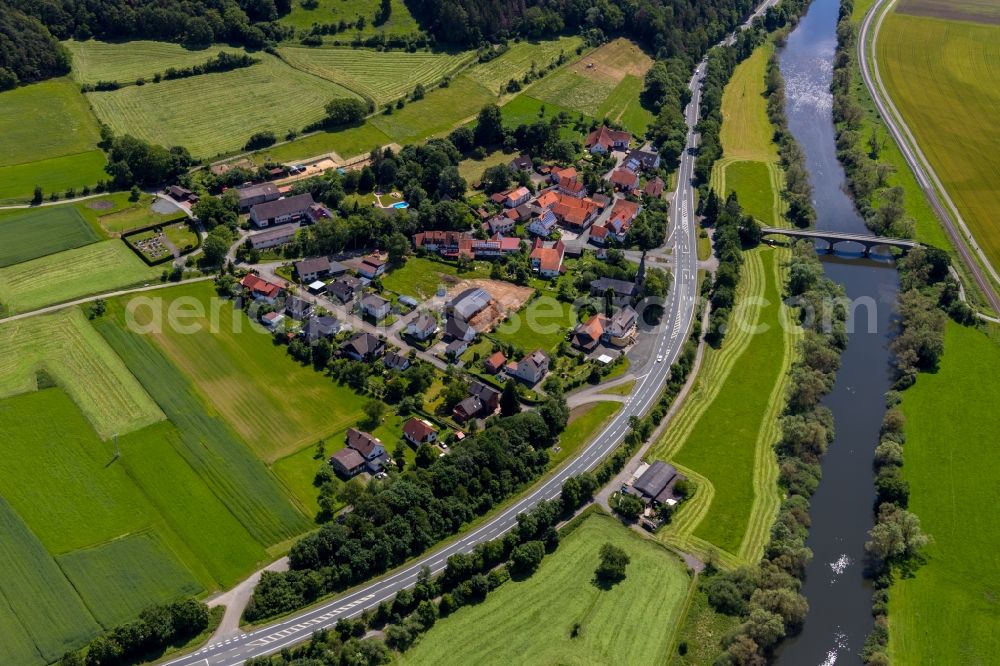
x,y
320,327
622,290
532,368
483,401
656,484
521,163
456,328
298,308
250,196
395,361
348,463
282,211
370,448
638,159
178,193
372,266
418,431
604,140
456,348
313,269
344,288
375,307
423,327
363,347
620,329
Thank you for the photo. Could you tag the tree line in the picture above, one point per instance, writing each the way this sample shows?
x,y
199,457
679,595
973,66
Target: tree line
x,y
30,53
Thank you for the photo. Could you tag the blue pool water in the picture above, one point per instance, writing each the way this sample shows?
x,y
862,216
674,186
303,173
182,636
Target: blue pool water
x,y
401,204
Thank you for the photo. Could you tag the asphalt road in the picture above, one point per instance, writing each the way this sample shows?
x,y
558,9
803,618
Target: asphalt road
x,y
670,336
924,172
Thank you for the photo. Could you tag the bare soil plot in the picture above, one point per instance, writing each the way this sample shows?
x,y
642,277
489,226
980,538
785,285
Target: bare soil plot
x,y
980,11
506,297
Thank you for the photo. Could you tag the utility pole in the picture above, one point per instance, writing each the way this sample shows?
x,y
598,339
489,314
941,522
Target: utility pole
x,y
118,452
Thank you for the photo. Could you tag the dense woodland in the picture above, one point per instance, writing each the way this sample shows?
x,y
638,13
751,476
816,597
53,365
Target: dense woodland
x,y
28,51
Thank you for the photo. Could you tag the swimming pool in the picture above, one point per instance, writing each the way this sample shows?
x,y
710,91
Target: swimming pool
x,y
401,204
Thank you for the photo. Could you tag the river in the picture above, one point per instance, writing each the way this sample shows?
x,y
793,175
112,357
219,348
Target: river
x,y
839,596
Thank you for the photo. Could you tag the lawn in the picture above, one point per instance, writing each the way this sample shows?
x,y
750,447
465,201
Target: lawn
x,y
541,324
530,621
383,76
125,62
57,174
56,278
746,131
276,405
297,472
420,277
520,58
67,348
135,216
438,113
584,423
27,235
944,76
345,143
216,113
951,465
726,428
472,170
752,183
400,20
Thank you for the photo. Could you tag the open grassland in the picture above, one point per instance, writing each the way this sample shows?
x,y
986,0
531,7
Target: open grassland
x,y
125,62
206,442
520,58
746,131
440,111
725,430
524,110
622,106
530,621
985,11
50,612
277,405
584,423
298,471
57,174
67,348
472,170
541,324
217,113
57,278
344,143
944,77
383,76
119,578
755,186
400,21
952,467
421,277
35,233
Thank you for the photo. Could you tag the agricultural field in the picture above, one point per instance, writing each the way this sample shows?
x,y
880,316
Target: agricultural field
x,y
26,235
344,143
944,78
420,277
50,140
524,110
75,357
584,423
125,62
985,11
400,21
623,106
438,113
383,76
216,113
723,434
519,618
952,472
54,279
276,405
542,324
520,58
746,132
755,186
587,84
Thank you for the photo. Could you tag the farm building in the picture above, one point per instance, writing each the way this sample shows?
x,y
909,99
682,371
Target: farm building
x,y
272,237
282,211
469,303
656,484
250,196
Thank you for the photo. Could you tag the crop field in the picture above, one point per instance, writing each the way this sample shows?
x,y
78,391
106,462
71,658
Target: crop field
x,y
725,430
400,20
217,113
746,132
50,612
440,111
54,279
383,76
27,235
277,405
206,442
57,174
80,361
622,106
519,59
541,324
951,465
125,62
985,11
520,618
944,77
119,578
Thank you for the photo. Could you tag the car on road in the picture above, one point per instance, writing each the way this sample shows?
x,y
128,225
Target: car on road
x,y
659,359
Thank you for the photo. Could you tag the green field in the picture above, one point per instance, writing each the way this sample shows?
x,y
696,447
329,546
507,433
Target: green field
x,y
524,110
703,630
27,235
724,432
276,405
217,113
400,21
519,59
440,111
541,324
125,62
472,170
47,608
383,76
584,423
622,106
119,578
420,277
135,217
67,348
56,278
746,131
57,174
753,184
944,77
345,143
529,622
952,467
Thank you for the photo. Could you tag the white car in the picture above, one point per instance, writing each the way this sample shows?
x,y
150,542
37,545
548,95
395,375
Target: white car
x,y
659,359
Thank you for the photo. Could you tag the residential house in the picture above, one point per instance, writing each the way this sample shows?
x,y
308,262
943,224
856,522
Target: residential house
x,y
297,308
310,270
623,213
483,401
445,243
599,235
645,160
370,447
544,224
501,224
344,288
558,173
572,187
282,211
575,213
656,484
469,303
457,328
654,188
417,432
587,335
622,290
320,327
624,179
273,320
467,409
395,361
250,196
363,347
375,307
272,237
516,197
178,193
495,362
521,163
422,328
372,266
532,368
456,348
260,290
620,329
547,260
348,463
604,140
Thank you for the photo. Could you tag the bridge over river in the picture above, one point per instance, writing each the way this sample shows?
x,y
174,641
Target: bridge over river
x,y
832,238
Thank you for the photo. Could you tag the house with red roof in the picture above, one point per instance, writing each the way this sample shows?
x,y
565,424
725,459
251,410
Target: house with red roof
x,y
259,289
495,362
654,188
624,179
417,432
547,259
604,140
